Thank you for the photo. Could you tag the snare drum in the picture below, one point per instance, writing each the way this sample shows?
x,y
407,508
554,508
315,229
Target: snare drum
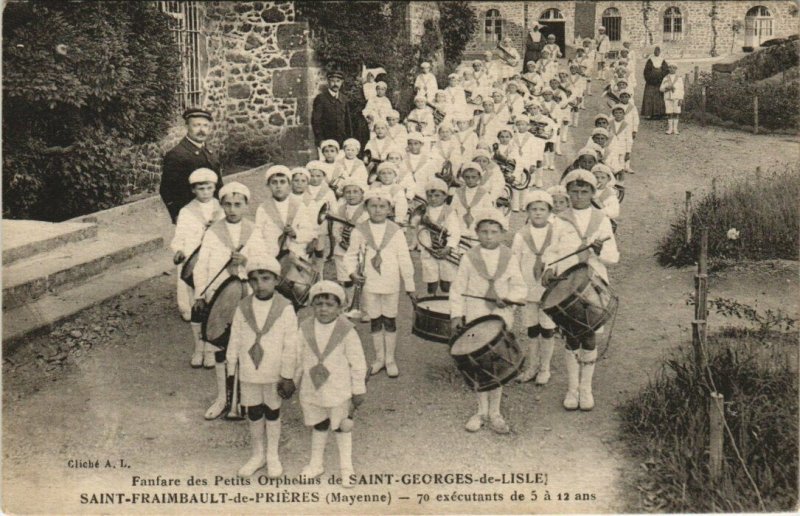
x,y
432,319
187,271
296,282
486,353
216,327
579,301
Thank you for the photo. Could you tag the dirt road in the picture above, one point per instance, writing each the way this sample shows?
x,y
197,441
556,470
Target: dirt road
x,y
133,397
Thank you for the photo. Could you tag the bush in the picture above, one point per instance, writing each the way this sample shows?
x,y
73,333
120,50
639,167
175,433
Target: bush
x,y
666,426
81,83
769,61
732,99
762,211
457,24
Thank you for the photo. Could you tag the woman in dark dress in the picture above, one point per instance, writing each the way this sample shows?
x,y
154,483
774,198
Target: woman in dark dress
x,y
534,44
654,72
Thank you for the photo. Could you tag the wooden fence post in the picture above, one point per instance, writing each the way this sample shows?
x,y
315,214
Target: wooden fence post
x,y
714,186
755,114
696,72
703,108
700,309
687,211
686,81
716,419
758,174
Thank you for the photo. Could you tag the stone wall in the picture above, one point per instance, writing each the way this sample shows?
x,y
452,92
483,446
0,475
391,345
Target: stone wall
x,y
643,23
255,65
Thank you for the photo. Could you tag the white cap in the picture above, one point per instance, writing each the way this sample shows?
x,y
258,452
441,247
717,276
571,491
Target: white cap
x,y
301,170
234,188
381,83
326,143
580,174
617,106
537,195
522,118
202,175
557,190
327,287
277,169
425,64
317,165
490,214
416,136
435,183
600,167
352,142
603,116
380,122
588,151
351,181
262,262
420,97
481,153
393,114
379,193
453,76
387,165
599,130
471,166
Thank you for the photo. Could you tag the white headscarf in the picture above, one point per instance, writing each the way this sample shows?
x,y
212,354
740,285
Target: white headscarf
x,y
536,35
656,59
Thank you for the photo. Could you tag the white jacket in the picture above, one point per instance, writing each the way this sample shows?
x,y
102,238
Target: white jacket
x,y
192,225
672,81
598,227
215,251
395,259
548,247
270,224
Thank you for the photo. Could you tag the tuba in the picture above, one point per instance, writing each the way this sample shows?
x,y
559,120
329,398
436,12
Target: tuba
x,y
438,248
506,165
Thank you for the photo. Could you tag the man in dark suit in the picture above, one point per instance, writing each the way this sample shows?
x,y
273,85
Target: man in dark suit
x,y
186,157
330,114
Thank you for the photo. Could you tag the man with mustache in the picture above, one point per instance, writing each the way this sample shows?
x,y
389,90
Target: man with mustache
x,y
330,114
186,157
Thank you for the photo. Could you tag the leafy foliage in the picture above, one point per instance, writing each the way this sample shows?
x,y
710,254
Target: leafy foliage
x,y
769,61
731,99
763,211
666,425
82,82
457,23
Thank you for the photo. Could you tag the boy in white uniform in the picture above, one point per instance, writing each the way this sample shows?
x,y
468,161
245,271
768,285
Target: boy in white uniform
x,y
466,136
420,119
470,198
487,270
353,211
397,131
447,148
491,176
332,371
621,144
425,84
591,227
193,221
436,271
603,45
530,150
226,247
535,245
488,124
379,144
378,106
606,194
263,326
386,261
348,166
672,86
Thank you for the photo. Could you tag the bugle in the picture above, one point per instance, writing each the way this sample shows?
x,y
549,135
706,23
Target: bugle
x,y
354,312
324,215
504,202
438,251
506,165
507,57
234,408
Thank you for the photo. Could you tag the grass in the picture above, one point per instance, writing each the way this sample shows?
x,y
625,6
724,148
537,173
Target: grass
x,y
666,426
762,211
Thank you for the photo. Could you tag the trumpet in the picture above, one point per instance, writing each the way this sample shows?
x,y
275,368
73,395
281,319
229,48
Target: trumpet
x,y
438,237
438,115
541,130
354,312
506,165
234,408
347,230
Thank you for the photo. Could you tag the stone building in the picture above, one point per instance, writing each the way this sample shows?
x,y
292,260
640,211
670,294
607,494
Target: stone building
x,y
682,28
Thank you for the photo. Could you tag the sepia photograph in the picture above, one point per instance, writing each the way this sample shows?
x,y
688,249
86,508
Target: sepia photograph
x,y
400,257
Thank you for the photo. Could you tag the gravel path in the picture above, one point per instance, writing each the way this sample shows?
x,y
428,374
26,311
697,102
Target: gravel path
x,y
115,383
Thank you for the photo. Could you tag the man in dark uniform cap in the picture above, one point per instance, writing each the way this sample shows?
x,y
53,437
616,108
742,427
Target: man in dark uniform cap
x,y
330,115
186,157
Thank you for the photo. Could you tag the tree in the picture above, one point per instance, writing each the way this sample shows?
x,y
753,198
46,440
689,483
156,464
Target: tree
x,y
81,82
457,23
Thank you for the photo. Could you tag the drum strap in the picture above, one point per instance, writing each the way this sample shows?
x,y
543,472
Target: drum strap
x,y
538,266
319,373
480,266
279,303
462,196
391,229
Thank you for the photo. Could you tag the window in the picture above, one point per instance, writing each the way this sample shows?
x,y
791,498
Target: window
x,y
673,24
551,15
493,31
612,21
185,26
757,25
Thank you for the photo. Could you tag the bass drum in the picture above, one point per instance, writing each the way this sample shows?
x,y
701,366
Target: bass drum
x,y
216,327
296,282
187,271
486,353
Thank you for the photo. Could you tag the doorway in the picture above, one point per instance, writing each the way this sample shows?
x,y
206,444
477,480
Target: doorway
x,y
552,22
757,26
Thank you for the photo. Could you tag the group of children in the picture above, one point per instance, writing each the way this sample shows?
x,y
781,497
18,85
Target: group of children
x,y
380,198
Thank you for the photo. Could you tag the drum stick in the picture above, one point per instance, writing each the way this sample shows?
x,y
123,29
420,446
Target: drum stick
x,y
579,250
220,272
516,303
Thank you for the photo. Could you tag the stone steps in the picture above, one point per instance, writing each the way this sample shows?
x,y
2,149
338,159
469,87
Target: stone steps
x,y
24,238
58,269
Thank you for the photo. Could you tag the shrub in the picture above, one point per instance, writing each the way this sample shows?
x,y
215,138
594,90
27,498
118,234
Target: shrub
x,y
457,24
732,99
762,211
769,61
666,426
81,83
